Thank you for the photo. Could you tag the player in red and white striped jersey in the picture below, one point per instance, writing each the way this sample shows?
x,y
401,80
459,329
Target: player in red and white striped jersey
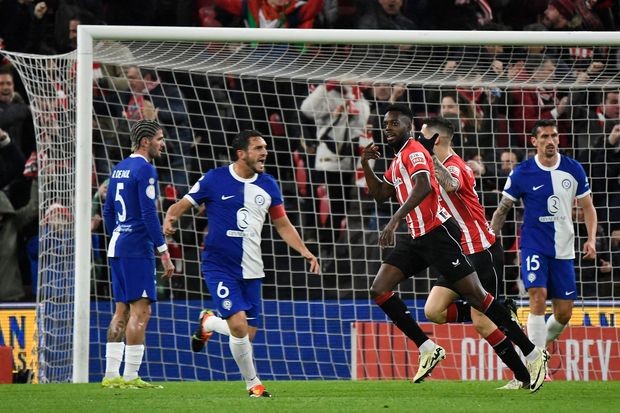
x,y
459,197
435,240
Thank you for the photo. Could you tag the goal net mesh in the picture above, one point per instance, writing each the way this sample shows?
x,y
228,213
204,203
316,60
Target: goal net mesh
x,y
301,96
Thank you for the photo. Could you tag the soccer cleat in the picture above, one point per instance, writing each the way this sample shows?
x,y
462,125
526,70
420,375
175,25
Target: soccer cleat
x,y
115,383
538,369
138,383
200,336
511,306
259,391
514,384
427,362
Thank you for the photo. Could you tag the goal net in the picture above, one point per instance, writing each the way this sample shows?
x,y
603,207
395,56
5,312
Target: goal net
x,y
318,99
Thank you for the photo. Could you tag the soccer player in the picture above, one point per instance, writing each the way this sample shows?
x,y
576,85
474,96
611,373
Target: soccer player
x,y
130,217
237,198
458,196
435,240
548,184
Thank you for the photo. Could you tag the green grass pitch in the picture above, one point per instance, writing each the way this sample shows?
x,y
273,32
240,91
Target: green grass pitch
x,y
314,396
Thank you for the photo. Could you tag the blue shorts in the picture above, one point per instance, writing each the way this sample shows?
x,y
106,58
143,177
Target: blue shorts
x,y
557,276
133,278
231,295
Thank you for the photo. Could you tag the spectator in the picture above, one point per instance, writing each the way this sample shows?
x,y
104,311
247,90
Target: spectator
x,y
15,116
150,98
386,15
274,13
11,160
340,113
459,14
559,15
11,222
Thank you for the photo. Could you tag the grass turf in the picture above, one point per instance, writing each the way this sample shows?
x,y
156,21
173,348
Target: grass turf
x,y
315,396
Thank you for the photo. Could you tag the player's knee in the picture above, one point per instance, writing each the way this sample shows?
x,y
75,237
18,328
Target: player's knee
x,y
435,315
377,291
563,317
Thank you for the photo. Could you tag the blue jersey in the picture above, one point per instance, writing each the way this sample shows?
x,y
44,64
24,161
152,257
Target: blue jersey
x,y
130,213
236,209
548,194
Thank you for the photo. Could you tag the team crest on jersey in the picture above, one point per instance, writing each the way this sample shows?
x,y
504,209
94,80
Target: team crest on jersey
x,y
531,277
417,158
454,170
566,183
227,304
150,191
260,200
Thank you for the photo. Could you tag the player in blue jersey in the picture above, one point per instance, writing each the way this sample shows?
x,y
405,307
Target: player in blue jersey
x,y
237,198
130,217
548,184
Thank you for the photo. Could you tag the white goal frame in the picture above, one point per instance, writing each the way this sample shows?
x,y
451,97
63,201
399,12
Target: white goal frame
x,y
84,157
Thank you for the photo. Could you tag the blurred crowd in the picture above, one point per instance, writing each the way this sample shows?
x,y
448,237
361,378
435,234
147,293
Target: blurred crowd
x,y
315,130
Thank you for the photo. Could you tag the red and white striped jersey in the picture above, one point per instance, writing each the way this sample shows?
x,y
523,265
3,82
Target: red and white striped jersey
x,y
413,159
464,206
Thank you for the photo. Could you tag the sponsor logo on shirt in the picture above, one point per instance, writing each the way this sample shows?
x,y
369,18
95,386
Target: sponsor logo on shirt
x,y
417,158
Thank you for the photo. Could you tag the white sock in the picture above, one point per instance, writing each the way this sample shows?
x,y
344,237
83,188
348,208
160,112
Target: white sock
x,y
113,358
554,328
133,359
217,324
537,330
427,346
241,349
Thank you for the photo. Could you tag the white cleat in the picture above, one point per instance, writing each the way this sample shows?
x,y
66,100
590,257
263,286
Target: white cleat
x,y
538,369
427,362
514,384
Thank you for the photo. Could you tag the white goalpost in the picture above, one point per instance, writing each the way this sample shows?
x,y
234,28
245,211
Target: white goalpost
x,y
208,83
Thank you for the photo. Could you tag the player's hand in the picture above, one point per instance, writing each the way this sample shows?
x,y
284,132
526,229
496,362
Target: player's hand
x,y
428,143
370,151
169,228
166,262
589,250
386,238
314,263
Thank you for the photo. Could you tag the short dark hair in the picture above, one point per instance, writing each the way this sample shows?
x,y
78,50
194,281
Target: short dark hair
x,y
142,129
241,141
443,124
403,109
541,124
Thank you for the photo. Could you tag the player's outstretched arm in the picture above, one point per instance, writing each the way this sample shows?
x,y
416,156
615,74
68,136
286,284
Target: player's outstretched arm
x,y
290,235
499,216
173,214
591,221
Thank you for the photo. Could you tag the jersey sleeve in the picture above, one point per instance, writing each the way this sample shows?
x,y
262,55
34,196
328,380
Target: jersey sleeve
x,y
147,196
387,177
274,191
583,186
416,160
456,172
199,193
512,188
109,215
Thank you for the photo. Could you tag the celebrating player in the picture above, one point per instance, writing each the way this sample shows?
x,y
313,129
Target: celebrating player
x,y
548,184
435,240
459,198
237,199
130,216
